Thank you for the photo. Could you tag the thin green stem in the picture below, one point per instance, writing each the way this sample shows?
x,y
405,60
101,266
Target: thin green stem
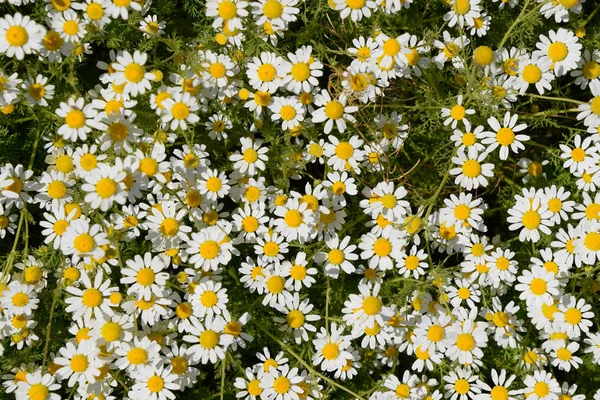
x,y
307,365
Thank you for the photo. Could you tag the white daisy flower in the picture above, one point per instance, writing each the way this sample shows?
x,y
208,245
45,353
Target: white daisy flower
x,y
562,47
209,343
79,364
21,35
471,171
504,135
145,276
333,111
179,111
79,119
266,73
341,255
289,110
38,91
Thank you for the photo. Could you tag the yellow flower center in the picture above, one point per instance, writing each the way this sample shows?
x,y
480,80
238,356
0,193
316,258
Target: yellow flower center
x,y
137,356
295,319
382,247
334,110
411,262
573,316
38,391
298,272
465,342
531,73
17,36
293,218
371,305
20,299
118,131
271,249
557,51
275,284
95,11
266,72
84,243
331,351
287,113
592,241
106,187
591,70
71,27
209,249
505,136
531,219
33,274
75,119
541,389
462,386
92,298
457,112
155,384
134,72
471,168
180,111
391,47
111,331
227,9
282,385
538,286
169,227
209,299
209,339
217,70
79,363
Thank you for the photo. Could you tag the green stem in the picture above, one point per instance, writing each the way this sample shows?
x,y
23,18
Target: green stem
x,y
307,366
563,99
49,326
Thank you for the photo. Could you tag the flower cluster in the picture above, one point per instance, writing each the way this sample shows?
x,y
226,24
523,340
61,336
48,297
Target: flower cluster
x,y
245,212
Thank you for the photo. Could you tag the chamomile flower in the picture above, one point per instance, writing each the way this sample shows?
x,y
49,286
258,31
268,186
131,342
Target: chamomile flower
x,y
119,8
535,70
463,12
297,317
130,71
356,10
180,111
462,384
166,229
19,298
339,256
145,276
343,155
583,156
383,249
541,386
331,349
537,286
562,47
38,385
265,73
333,110
208,340
209,248
227,13
532,215
385,200
277,13
412,263
458,112
78,119
83,240
151,26
154,383
69,26
471,171
298,272
38,91
21,35
79,364
92,299
296,221
105,186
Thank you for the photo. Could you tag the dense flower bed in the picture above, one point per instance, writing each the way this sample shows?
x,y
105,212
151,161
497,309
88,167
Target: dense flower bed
x,y
299,199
